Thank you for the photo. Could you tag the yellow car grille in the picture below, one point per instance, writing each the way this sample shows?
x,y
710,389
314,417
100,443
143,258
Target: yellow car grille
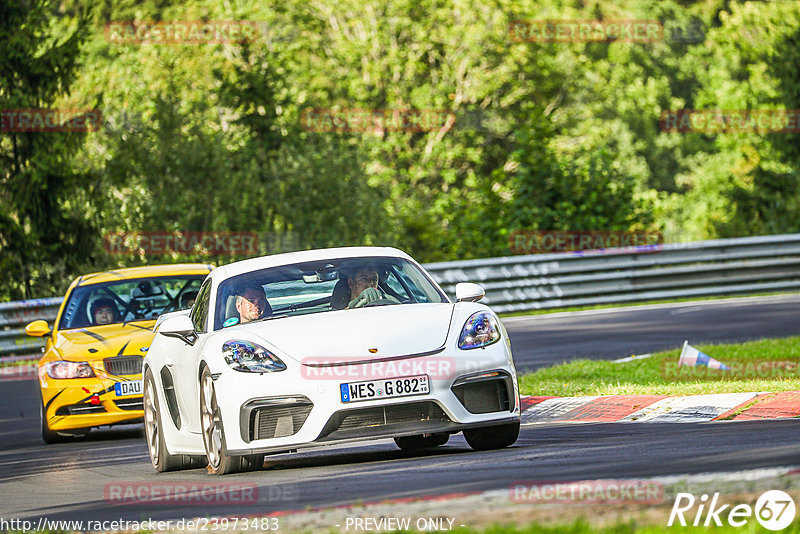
x,y
123,365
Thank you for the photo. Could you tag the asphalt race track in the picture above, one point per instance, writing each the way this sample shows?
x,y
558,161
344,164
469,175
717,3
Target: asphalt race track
x,y
76,480
73,481
544,340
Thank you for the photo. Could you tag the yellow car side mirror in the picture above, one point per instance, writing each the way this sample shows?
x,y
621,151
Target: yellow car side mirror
x,y
37,328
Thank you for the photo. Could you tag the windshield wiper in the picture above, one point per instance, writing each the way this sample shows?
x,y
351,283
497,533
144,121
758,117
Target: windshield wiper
x,y
307,304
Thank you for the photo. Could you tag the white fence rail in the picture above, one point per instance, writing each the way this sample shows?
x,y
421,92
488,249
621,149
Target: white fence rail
x,y
696,269
14,343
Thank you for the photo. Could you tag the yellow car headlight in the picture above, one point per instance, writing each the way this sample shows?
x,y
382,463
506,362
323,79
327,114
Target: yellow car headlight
x,y
64,369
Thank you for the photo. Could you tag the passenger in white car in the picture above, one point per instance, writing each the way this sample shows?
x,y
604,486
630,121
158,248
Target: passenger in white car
x,y
364,288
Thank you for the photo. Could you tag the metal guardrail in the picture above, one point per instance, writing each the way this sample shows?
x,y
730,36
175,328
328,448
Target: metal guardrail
x,y
697,269
14,343
521,283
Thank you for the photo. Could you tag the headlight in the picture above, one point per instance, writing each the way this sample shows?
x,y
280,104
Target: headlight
x,y
64,369
480,330
248,357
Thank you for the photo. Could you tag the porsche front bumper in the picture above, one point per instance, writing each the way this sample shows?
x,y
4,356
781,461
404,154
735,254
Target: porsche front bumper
x,y
297,408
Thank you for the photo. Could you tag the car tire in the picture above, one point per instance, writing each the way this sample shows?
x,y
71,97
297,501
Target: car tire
x,y
195,461
48,436
411,443
161,459
492,437
252,462
219,461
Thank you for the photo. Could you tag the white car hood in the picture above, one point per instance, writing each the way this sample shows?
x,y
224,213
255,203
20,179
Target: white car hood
x,y
348,335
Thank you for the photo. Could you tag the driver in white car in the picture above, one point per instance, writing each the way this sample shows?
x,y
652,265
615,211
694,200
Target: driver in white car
x,y
251,303
364,288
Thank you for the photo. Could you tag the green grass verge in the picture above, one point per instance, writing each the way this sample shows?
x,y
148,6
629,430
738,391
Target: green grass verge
x,y
763,365
633,304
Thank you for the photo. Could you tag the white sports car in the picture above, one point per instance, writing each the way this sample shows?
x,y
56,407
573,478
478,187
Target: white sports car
x,y
312,348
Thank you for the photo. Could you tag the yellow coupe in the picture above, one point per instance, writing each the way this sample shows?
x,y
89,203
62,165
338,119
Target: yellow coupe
x,y
91,372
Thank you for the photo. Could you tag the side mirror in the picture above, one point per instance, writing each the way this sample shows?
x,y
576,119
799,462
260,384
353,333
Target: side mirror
x,y
164,317
179,326
469,292
37,328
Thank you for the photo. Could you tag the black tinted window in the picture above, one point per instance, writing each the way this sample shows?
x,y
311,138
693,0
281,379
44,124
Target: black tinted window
x,y
199,313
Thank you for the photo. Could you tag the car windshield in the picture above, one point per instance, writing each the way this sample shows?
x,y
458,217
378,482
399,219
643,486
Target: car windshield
x,y
138,299
327,285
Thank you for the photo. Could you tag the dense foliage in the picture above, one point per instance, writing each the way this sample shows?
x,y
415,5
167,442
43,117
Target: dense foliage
x,y
201,136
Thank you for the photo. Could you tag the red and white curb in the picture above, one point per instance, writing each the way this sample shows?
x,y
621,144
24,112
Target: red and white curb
x,y
660,408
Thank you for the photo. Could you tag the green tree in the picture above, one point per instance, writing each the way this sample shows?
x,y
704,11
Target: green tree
x,y
771,203
44,231
582,193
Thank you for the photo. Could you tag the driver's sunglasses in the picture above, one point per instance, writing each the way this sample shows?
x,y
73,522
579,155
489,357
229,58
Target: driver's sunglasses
x,y
258,303
371,280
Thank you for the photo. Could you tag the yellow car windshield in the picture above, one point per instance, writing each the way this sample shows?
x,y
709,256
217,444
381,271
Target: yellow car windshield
x,y
138,299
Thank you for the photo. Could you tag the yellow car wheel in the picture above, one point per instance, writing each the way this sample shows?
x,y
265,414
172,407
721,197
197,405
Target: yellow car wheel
x,y
48,435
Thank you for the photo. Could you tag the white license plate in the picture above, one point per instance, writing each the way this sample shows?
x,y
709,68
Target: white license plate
x,y
131,387
385,388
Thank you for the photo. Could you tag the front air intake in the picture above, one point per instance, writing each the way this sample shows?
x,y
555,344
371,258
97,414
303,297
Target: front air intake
x,y
134,403
277,417
486,392
377,420
278,422
80,409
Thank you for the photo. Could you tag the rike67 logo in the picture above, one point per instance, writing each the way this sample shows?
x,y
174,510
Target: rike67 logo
x,y
774,510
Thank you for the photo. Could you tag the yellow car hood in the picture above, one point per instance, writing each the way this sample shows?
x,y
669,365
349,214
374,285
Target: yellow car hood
x,y
96,343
